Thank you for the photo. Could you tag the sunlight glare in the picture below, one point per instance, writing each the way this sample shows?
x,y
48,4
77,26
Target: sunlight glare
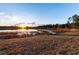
x,y
22,27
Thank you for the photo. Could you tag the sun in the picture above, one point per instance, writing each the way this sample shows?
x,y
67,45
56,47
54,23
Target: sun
x,y
22,26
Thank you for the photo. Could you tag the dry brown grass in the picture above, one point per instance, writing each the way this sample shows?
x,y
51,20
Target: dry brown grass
x,y
66,43
40,45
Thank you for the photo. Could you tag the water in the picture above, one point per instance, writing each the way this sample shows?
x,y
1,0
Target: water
x,y
30,30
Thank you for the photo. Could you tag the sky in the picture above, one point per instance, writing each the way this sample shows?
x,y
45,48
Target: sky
x,y
39,13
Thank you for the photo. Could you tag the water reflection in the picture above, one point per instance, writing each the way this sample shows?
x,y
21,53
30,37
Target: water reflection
x,y
22,30
19,30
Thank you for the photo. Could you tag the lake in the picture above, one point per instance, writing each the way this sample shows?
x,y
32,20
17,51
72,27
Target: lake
x,y
29,30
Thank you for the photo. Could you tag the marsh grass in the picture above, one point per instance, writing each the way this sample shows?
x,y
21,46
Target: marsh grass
x,y
40,45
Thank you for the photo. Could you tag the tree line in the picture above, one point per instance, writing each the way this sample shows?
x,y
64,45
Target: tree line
x,y
72,22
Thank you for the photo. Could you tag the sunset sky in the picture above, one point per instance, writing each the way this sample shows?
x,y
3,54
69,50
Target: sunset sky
x,y
40,13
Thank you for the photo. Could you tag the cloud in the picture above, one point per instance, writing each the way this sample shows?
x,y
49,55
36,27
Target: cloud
x,y
5,16
2,13
8,19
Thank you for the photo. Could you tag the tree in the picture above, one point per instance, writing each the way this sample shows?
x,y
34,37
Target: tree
x,y
68,24
75,19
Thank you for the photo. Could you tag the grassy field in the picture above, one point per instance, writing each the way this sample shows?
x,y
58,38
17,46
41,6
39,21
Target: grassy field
x,y
62,44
